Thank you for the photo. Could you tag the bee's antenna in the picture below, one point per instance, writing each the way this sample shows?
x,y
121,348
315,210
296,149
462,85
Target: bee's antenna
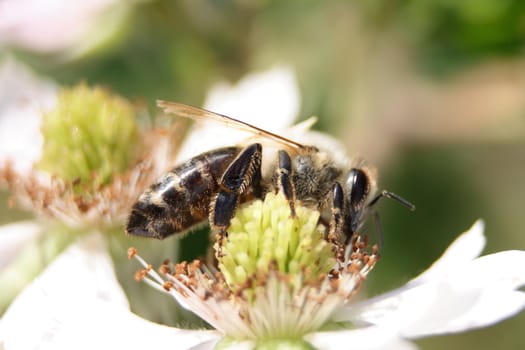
x,y
377,219
392,195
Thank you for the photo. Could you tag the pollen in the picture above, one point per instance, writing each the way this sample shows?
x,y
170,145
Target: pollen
x,y
132,252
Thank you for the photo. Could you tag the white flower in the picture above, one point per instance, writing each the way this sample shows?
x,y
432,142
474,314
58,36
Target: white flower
x,y
25,99
266,304
77,303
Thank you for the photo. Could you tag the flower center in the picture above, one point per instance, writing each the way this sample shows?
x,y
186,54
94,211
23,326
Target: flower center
x,y
264,236
89,136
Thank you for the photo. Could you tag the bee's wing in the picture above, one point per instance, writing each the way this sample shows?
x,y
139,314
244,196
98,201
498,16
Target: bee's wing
x,y
199,114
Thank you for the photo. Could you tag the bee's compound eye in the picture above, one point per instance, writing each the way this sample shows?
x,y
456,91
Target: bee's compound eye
x,y
359,186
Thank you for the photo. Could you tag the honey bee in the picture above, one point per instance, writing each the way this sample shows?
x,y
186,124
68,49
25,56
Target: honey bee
x,y
210,186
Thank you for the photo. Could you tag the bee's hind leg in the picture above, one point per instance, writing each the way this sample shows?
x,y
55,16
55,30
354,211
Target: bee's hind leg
x,y
244,172
283,179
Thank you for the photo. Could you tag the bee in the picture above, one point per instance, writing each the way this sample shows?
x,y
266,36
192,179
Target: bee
x,y
210,186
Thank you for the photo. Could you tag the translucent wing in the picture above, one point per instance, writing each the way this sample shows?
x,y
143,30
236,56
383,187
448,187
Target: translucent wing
x,y
199,114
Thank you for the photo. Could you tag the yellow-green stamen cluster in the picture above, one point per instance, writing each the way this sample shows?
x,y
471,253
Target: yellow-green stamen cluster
x,y
89,136
263,235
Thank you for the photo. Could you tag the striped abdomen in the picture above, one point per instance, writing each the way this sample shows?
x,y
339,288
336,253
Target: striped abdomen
x,y
181,198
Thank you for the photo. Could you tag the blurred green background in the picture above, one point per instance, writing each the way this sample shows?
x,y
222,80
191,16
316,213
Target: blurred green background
x,y
431,92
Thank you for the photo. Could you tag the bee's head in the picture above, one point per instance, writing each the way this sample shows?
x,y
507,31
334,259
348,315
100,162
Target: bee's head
x,y
359,188
360,193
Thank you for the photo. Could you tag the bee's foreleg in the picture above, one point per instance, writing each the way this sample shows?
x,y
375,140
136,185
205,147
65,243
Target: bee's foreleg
x,y
283,178
337,221
244,172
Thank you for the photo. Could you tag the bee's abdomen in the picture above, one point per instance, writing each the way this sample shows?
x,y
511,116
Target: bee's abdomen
x,y
181,198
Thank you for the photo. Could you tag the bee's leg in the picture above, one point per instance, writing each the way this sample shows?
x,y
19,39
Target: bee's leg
x,y
283,178
337,221
243,172
335,228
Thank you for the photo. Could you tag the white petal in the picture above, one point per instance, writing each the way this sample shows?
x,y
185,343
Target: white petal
x,y
445,310
371,338
476,294
23,98
13,237
269,100
458,313
111,327
104,325
504,269
77,304
82,273
465,248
